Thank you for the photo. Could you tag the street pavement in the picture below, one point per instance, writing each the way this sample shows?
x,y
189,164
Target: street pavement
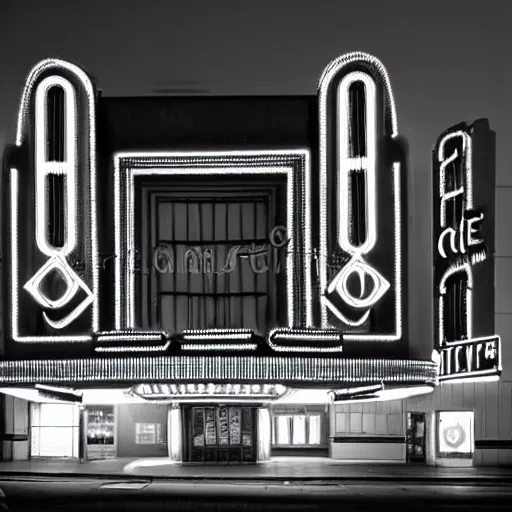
x,y
279,468
283,484
86,493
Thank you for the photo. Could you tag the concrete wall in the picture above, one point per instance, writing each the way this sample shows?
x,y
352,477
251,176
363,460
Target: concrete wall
x,y
16,428
368,431
127,416
491,403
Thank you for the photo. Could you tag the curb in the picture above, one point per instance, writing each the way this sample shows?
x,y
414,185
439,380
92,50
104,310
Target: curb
x,y
486,480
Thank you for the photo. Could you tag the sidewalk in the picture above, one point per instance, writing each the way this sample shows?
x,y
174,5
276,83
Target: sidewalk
x,y
279,468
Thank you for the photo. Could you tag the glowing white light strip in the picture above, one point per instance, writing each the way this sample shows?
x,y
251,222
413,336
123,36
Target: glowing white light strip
x,y
136,337
130,237
218,331
366,165
42,169
128,348
266,369
199,334
322,337
309,348
220,346
308,250
117,241
313,336
217,163
475,378
66,168
206,336
329,75
471,375
131,332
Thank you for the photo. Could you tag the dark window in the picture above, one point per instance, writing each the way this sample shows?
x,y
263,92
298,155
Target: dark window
x,y
210,261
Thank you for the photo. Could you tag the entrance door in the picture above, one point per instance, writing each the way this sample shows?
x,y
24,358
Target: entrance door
x,y
220,434
416,427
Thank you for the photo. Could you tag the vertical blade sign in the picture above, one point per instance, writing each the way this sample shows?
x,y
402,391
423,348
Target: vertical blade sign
x,y
52,235
360,260
464,181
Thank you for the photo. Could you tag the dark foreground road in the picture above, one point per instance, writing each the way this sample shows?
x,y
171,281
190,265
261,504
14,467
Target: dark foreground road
x,y
87,494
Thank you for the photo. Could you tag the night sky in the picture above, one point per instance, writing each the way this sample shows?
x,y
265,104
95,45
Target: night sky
x,y
448,61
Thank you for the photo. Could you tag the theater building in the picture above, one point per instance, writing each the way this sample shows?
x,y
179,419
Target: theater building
x,y
224,279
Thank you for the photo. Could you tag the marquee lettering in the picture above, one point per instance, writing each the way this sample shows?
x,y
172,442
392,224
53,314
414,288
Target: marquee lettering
x,y
470,359
459,241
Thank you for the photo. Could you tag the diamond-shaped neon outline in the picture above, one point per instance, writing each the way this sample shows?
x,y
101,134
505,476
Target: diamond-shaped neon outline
x,y
73,284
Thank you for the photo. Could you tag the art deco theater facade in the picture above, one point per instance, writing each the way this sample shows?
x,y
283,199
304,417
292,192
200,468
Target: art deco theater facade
x,y
214,279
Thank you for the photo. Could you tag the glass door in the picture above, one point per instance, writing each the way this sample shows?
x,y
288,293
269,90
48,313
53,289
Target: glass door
x,y
100,433
221,434
416,428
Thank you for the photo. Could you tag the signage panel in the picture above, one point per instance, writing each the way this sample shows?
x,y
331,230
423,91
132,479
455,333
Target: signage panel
x,y
464,180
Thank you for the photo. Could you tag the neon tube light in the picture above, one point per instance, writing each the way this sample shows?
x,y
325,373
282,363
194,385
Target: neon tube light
x,y
292,164
67,168
367,165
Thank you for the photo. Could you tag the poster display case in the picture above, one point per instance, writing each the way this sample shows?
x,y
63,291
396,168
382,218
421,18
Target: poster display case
x,y
455,437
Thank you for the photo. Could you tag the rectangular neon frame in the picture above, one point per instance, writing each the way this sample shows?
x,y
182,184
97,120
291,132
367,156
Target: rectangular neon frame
x,y
221,163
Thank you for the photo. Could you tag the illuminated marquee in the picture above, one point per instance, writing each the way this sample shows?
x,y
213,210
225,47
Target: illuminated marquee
x,y
463,242
53,286
360,250
209,392
52,202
